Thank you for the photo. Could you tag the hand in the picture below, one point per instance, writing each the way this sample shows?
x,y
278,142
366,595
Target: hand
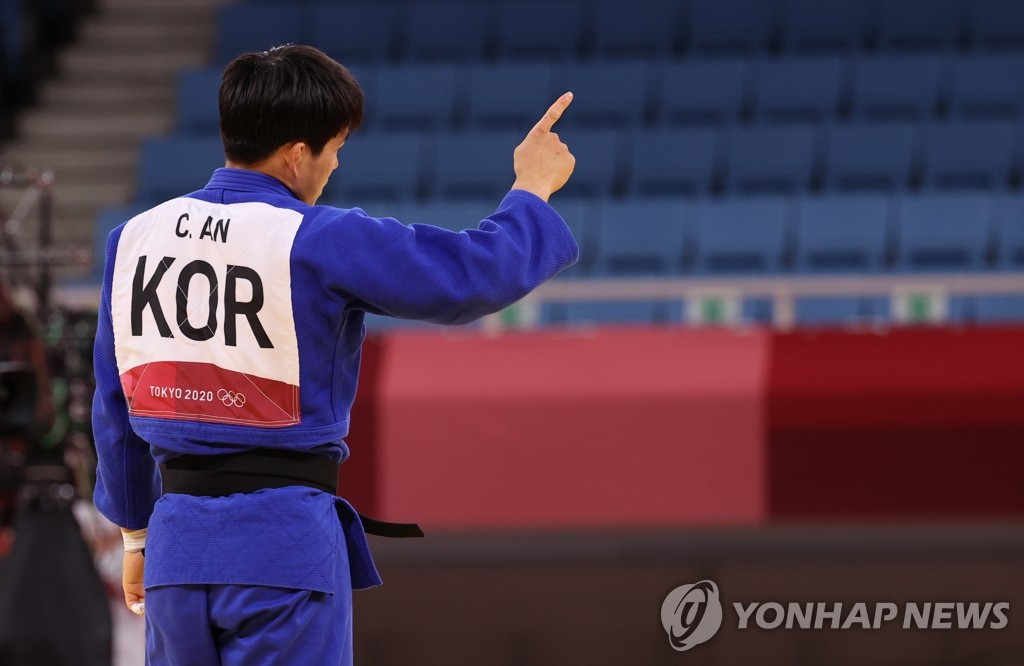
x,y
131,581
542,162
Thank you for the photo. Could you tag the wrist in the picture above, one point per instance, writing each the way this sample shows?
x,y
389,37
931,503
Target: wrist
x,y
540,191
134,540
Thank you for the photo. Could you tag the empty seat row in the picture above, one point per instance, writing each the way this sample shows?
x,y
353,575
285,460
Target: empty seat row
x,y
656,162
841,234
466,29
630,93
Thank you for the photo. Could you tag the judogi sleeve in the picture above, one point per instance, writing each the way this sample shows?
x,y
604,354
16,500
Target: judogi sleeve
x,y
423,272
127,481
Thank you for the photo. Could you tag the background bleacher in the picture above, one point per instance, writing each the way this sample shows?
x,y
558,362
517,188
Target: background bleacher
x,y
713,137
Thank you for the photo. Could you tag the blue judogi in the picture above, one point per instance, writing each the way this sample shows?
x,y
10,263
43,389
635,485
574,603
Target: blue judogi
x,y
231,319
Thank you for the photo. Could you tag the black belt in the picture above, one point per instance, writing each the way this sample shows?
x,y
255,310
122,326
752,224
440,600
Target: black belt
x,y
259,469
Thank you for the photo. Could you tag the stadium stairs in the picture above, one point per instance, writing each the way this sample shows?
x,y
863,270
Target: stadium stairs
x,y
114,86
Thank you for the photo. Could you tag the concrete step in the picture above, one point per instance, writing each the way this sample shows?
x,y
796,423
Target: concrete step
x,y
141,66
119,34
162,5
70,96
51,129
31,155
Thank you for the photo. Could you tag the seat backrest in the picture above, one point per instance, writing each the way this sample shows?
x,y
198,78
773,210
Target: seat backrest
x,y
243,28
742,235
534,30
380,166
509,95
599,162
703,92
997,25
736,27
898,87
767,159
609,93
643,28
800,89
944,232
969,155
871,156
418,96
176,165
644,236
813,26
842,233
475,164
987,86
921,25
198,90
355,31
674,161
457,30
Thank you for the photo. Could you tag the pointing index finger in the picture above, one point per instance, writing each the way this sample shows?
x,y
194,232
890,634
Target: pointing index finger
x,y
554,113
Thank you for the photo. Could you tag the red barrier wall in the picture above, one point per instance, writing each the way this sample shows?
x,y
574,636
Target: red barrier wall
x,y
916,423
553,429
647,427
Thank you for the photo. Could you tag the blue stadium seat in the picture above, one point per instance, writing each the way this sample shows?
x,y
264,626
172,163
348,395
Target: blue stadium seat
x,y
888,87
599,162
582,218
997,24
1009,231
534,30
451,215
1001,309
107,220
771,159
988,87
197,101
739,27
475,164
642,28
703,92
842,233
674,161
644,236
510,95
459,30
742,235
944,232
379,166
813,26
934,25
633,312
841,311
969,155
354,32
800,89
418,96
871,157
608,93
253,27
172,166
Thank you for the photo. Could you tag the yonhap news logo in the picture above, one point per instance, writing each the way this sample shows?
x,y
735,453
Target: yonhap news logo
x,y
693,613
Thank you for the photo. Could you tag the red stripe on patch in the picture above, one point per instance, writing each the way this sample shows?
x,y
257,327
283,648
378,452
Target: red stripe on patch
x,y
202,392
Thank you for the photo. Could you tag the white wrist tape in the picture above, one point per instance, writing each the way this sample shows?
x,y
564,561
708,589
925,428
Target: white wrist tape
x,y
134,540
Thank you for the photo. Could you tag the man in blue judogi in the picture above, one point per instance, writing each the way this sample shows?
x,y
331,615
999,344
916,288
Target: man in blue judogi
x,y
227,353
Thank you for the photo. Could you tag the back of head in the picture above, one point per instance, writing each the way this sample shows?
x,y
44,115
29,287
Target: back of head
x,y
287,94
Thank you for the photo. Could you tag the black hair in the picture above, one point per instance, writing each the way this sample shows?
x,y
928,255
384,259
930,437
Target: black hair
x,y
289,93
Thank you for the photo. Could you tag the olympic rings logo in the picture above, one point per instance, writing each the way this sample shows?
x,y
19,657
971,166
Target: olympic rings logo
x,y
230,398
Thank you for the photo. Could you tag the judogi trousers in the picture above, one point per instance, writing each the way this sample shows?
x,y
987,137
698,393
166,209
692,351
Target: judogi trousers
x,y
240,625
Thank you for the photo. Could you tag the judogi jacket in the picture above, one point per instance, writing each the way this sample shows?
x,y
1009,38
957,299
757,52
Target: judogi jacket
x,y
232,318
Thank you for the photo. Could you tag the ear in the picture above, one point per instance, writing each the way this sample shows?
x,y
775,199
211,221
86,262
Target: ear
x,y
294,154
